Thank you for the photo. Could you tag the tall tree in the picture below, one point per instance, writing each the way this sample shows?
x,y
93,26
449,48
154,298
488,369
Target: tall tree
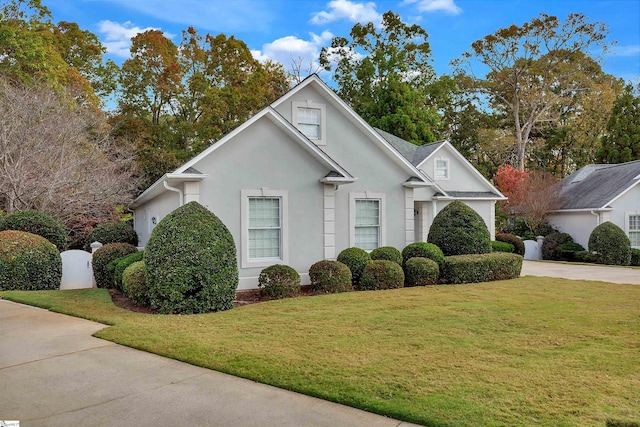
x,y
621,143
57,157
531,72
384,73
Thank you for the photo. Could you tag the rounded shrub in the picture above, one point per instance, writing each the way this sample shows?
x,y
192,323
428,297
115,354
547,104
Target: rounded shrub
x,y
111,232
420,272
116,267
635,257
459,230
517,242
190,262
551,245
422,250
39,223
330,277
28,262
387,252
497,246
356,259
381,274
134,284
279,281
103,257
611,244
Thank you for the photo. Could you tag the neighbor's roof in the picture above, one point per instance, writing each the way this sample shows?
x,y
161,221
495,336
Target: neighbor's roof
x,y
597,186
414,153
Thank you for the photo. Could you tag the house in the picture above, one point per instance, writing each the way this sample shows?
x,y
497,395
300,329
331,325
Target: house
x,y
600,193
307,177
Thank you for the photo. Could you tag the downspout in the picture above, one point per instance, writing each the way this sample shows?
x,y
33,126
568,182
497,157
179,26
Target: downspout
x,y
597,215
177,190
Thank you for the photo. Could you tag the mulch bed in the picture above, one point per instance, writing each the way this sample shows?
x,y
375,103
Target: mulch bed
x,y
247,297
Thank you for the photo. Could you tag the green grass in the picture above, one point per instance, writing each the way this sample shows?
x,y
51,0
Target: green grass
x,y
531,351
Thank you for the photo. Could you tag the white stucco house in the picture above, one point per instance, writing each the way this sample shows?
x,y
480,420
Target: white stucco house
x,y
307,177
600,193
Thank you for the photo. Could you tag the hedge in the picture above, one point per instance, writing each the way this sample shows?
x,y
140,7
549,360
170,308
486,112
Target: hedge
x,y
103,257
422,250
381,274
481,267
111,232
38,223
116,267
517,242
551,245
420,272
28,262
497,246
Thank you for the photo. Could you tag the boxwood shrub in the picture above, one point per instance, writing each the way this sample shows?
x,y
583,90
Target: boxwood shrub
x,y
190,262
551,245
28,262
111,232
330,277
497,246
459,230
611,244
134,285
568,251
117,267
481,267
103,257
381,274
356,259
39,223
635,257
387,252
279,281
420,272
517,242
422,250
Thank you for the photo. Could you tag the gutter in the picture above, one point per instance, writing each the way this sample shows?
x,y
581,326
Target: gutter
x,y
176,190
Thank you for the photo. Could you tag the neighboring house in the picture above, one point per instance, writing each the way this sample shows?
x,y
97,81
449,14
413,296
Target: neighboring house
x,y
307,177
600,193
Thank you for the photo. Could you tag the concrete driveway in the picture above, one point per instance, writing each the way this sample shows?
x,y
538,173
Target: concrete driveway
x,y
54,373
581,272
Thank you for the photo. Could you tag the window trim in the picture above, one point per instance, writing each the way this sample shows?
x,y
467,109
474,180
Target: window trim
x,y
245,195
627,227
447,169
311,105
381,197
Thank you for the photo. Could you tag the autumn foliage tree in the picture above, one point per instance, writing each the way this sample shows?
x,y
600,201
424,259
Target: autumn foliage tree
x,y
532,195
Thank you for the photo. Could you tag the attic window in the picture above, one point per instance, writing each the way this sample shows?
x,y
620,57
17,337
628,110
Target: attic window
x,y
441,169
310,119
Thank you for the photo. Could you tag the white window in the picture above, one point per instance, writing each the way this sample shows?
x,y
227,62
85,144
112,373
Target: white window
x,y
309,122
264,227
367,227
633,229
367,219
441,169
309,118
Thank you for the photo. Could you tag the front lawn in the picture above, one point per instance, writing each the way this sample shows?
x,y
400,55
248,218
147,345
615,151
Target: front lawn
x,y
530,351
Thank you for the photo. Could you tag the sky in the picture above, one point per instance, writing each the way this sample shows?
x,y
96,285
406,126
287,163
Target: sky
x,y
286,30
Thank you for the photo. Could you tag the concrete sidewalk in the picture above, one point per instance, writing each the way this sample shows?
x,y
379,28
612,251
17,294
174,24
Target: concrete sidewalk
x,y
54,373
582,272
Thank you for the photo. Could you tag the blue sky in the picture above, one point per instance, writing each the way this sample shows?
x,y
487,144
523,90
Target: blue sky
x,y
286,29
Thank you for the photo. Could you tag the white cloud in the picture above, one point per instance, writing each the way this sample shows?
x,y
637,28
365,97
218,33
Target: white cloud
x,y
448,6
345,9
288,49
626,50
117,36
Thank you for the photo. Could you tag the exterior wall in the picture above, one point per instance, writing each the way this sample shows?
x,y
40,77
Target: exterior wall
x,y
578,224
629,203
264,157
157,208
426,213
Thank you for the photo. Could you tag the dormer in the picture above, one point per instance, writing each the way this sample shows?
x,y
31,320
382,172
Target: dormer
x,y
311,119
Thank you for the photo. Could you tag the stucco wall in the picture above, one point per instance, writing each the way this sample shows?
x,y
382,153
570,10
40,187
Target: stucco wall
x,y
461,178
578,224
159,207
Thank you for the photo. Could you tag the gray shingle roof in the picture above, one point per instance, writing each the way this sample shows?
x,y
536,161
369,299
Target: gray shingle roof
x,y
594,186
414,153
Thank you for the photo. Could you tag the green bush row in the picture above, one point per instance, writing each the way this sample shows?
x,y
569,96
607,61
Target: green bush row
x,y
481,268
